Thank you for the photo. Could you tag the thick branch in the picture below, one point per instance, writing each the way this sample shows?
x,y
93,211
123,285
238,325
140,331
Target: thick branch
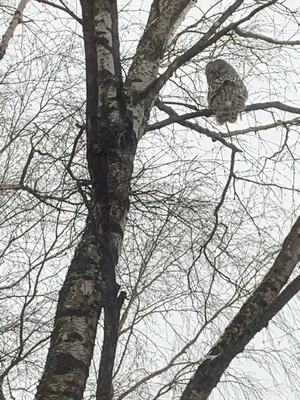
x,y
285,296
163,19
110,153
175,118
247,322
215,136
17,19
164,16
111,145
108,57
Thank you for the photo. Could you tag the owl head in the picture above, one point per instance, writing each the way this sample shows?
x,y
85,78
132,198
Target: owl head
x,y
217,68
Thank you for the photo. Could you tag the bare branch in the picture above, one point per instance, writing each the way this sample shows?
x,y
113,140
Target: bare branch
x,y
62,8
291,122
215,136
267,39
273,104
175,118
240,331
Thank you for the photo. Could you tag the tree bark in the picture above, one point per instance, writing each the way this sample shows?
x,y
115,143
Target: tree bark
x,y
91,284
73,336
17,19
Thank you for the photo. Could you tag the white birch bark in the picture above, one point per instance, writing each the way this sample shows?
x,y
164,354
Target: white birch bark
x,y
17,19
164,18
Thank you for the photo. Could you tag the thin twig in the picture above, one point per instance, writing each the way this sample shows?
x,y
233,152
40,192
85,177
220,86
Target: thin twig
x,y
62,8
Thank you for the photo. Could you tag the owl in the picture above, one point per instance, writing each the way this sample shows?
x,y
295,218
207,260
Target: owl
x,y
227,93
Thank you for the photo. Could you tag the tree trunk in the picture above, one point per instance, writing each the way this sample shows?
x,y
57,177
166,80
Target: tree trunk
x,y
77,315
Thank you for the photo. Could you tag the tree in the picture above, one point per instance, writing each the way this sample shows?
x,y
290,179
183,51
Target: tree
x,y
203,254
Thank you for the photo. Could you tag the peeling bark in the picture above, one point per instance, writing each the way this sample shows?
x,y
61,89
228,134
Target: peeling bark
x,y
251,318
16,20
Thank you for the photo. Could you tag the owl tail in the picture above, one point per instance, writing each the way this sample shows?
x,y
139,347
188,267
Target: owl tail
x,y
226,114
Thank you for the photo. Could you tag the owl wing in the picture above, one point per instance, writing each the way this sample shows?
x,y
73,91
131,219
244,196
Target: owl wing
x,y
227,83
214,87
217,88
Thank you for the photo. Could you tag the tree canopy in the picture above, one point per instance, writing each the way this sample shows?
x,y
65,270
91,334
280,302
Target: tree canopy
x,y
147,252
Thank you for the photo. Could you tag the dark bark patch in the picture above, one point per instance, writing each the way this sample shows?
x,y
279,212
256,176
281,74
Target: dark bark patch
x,y
72,312
73,337
65,363
102,41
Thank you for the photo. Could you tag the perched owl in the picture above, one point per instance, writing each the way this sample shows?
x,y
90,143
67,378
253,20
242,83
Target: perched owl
x,y
227,93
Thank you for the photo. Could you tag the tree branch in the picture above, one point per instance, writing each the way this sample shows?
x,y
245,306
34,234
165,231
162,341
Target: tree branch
x,y
108,58
110,340
164,15
284,297
250,319
273,104
215,136
267,39
291,122
110,153
175,118
62,8
163,18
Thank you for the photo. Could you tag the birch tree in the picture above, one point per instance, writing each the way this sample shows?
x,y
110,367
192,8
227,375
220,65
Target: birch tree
x,y
120,191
